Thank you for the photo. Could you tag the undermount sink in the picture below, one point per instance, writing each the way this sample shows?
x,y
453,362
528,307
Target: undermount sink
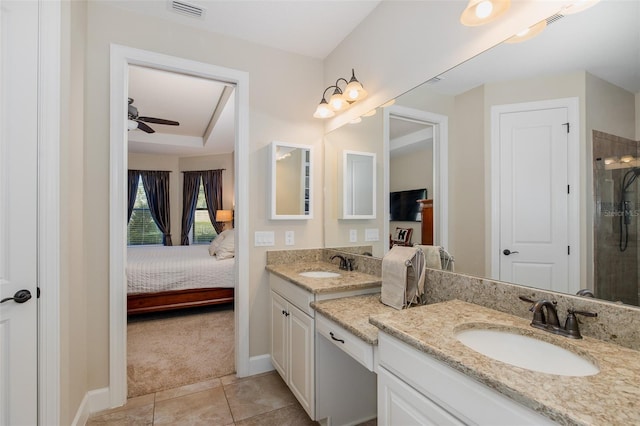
x,y
319,274
526,352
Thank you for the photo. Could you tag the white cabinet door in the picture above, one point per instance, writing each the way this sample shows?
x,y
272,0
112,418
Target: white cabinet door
x,y
301,343
279,335
400,404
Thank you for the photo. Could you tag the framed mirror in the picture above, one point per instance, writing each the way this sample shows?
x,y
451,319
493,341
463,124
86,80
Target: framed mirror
x,y
591,56
358,185
291,186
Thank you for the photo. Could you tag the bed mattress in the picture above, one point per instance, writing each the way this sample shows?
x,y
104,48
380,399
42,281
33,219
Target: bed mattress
x,y
152,269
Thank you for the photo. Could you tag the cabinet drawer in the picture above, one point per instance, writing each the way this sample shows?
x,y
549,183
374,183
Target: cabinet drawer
x,y
299,297
460,395
355,347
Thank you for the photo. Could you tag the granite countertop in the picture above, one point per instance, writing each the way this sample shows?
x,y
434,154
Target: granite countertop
x,y
348,280
610,397
353,314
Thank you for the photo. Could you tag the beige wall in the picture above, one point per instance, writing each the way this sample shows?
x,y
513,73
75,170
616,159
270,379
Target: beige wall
x,y
73,289
365,136
269,71
466,182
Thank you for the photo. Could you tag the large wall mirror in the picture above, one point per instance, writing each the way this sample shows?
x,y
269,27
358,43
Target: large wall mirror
x,y
291,185
591,62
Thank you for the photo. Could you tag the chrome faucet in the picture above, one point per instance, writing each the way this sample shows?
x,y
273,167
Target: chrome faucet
x,y
345,264
545,317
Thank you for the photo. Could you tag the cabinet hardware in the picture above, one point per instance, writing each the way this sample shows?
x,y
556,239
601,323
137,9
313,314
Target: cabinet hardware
x,y
334,337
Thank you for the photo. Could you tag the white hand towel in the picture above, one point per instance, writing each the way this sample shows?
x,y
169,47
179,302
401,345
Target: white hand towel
x,y
394,276
432,256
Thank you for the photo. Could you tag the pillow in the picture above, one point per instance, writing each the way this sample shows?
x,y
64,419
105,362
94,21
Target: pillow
x,y
215,244
227,249
402,236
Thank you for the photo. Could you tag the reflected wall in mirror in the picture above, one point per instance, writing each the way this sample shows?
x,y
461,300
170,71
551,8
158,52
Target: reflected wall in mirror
x,y
358,185
593,57
291,181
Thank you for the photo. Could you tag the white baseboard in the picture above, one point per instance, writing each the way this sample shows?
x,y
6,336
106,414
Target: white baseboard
x,y
93,401
260,364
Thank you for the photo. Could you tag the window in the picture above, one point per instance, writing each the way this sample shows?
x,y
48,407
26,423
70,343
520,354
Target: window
x,y
202,231
142,229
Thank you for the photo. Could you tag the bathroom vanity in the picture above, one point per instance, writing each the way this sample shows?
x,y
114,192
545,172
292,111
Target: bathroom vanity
x,y
411,366
333,386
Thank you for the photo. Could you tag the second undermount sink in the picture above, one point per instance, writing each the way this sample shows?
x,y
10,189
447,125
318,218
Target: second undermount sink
x,y
319,274
526,352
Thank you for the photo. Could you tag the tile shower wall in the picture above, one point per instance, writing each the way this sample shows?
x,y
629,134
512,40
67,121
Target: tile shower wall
x,y
616,254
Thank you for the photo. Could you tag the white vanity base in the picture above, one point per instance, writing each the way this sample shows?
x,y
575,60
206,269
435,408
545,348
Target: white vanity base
x,y
416,389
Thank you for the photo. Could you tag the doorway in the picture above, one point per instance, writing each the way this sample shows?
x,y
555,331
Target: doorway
x,y
121,58
535,192
429,129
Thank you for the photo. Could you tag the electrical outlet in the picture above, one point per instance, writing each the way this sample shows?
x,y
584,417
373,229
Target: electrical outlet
x,y
353,235
289,238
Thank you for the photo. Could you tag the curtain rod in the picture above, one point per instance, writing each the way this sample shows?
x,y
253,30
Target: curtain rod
x,y
136,170
208,170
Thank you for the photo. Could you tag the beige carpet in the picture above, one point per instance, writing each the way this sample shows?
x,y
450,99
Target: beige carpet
x,y
171,350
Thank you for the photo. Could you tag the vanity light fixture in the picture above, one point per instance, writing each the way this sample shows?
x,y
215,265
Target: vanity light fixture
x,y
528,33
340,99
626,158
480,12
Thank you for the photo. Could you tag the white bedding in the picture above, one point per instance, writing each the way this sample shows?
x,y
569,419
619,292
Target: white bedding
x,y
159,268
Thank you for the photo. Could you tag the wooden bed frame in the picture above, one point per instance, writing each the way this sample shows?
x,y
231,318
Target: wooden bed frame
x,y
143,303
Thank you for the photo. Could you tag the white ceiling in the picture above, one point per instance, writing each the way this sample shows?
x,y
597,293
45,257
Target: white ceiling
x,y
320,25
307,27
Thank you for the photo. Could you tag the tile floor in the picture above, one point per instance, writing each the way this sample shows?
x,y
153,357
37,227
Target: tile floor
x,y
258,400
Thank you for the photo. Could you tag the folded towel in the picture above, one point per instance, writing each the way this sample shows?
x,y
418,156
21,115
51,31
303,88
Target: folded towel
x,y
401,271
432,256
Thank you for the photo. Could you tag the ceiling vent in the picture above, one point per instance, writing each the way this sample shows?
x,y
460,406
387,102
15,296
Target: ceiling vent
x,y
187,9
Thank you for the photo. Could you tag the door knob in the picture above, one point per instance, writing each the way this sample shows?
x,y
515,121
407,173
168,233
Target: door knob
x,y
507,252
21,296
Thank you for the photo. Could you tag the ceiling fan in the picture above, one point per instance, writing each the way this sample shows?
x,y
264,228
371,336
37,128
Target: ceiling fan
x,y
137,122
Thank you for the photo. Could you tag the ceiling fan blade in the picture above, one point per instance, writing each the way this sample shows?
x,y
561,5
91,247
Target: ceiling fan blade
x,y
159,121
144,127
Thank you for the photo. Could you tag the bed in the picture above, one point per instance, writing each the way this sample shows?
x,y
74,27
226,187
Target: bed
x,y
165,278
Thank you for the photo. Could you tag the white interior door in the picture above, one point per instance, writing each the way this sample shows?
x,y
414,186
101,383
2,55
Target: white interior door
x,y
534,204
18,211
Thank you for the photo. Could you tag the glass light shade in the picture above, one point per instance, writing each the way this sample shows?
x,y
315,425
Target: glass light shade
x,y
338,102
323,110
354,91
224,215
480,12
529,33
610,160
626,158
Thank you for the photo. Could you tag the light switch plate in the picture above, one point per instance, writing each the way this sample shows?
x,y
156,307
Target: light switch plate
x,y
264,239
371,234
353,235
289,238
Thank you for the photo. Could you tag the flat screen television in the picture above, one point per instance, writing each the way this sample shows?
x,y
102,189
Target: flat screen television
x,y
404,205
